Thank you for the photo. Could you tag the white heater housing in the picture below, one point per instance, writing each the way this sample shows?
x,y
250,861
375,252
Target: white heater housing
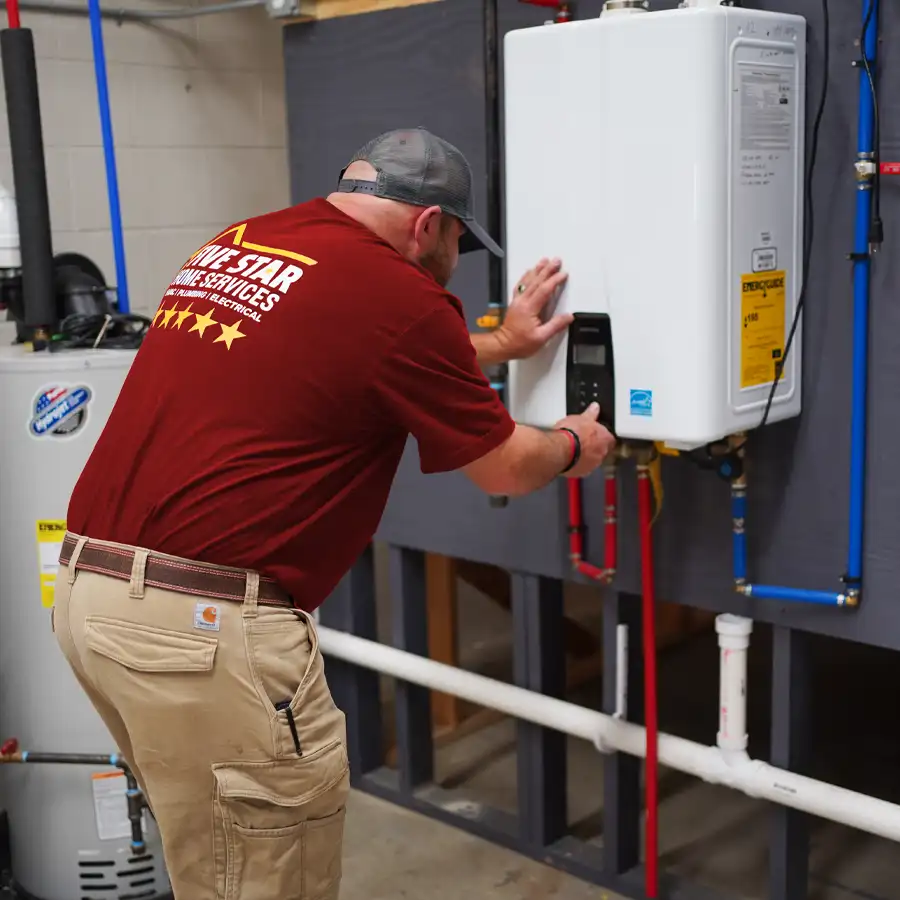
x,y
660,155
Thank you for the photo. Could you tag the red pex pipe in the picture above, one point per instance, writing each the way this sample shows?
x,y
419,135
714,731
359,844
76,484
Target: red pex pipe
x,y
651,778
576,529
12,13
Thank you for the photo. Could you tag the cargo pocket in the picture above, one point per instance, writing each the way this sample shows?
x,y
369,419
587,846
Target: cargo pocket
x,y
147,649
280,826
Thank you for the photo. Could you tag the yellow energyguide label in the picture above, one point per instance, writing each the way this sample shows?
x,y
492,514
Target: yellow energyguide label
x,y
762,326
50,534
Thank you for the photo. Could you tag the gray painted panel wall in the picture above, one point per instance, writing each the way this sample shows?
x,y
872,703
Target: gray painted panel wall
x,y
350,78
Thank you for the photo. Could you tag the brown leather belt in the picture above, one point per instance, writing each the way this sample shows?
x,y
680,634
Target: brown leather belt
x,y
172,574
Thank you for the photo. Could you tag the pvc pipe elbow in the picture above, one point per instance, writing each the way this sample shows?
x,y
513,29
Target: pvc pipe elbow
x,y
748,774
727,767
602,744
730,746
735,759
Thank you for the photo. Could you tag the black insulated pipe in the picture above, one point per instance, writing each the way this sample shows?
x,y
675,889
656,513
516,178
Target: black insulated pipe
x,y
23,112
64,759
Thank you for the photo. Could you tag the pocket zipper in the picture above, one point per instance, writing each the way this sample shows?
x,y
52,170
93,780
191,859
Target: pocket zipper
x,y
285,706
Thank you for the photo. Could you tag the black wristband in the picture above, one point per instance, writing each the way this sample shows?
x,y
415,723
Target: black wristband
x,y
576,454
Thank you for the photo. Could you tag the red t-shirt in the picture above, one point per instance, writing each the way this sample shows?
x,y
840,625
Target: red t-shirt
x,y
264,417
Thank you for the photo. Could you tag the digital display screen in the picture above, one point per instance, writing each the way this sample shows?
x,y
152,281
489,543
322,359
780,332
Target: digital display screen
x,y
589,355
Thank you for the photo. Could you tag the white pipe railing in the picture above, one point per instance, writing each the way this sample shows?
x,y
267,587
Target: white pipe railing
x,y
737,771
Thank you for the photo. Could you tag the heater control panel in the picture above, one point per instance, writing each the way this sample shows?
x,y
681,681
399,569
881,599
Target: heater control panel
x,y
589,366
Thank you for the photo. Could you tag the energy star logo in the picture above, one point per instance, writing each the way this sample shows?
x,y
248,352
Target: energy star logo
x,y
641,403
59,411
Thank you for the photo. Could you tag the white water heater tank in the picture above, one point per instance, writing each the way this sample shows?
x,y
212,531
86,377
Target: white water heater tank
x,y
660,155
69,831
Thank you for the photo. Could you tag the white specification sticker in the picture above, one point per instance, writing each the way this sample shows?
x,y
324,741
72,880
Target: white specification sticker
x,y
767,108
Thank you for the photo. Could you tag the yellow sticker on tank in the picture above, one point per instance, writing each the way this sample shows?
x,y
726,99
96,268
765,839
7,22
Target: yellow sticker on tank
x,y
50,534
762,326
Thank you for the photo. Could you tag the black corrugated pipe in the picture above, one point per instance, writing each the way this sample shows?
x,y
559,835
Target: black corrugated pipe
x,y
23,112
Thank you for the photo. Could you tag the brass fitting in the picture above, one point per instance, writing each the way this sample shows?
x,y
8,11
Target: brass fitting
x,y
492,319
644,456
865,168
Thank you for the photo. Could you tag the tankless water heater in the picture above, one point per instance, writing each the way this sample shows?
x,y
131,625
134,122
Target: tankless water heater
x,y
660,156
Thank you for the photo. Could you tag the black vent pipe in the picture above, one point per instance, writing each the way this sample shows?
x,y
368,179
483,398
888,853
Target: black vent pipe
x,y
23,112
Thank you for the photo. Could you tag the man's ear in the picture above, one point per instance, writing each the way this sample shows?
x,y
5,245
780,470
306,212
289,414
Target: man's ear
x,y
428,227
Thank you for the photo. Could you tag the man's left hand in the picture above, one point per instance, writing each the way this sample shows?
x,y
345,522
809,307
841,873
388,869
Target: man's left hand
x,y
525,330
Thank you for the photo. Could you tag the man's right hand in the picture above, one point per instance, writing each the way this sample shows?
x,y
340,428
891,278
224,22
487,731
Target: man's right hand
x,y
596,441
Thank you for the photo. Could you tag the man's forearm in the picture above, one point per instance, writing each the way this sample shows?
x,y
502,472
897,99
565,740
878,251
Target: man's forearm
x,y
538,457
489,349
529,460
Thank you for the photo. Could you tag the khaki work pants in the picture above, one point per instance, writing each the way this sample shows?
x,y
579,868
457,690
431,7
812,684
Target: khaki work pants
x,y
242,814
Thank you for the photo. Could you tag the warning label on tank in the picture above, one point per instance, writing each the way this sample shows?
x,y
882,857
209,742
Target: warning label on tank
x,y
50,534
111,806
762,327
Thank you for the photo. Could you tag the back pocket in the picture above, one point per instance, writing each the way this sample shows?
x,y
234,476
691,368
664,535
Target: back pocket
x,y
144,648
280,826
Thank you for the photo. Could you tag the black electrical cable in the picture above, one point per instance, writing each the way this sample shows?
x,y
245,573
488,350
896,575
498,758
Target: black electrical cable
x,y
103,332
810,221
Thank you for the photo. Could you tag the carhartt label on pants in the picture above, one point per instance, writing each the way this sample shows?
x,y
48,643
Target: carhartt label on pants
x,y
206,616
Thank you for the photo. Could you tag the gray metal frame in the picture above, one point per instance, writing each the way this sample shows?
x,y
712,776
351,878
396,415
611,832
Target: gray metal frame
x,y
540,829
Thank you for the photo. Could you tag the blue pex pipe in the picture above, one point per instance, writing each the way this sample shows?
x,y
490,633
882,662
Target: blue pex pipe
x,y
860,364
738,517
861,290
798,595
109,154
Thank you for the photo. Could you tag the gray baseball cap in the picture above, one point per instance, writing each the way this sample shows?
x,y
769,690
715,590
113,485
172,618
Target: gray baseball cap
x,y
416,167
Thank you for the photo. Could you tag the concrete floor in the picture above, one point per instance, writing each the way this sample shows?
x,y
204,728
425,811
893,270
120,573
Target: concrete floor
x,y
391,854
709,835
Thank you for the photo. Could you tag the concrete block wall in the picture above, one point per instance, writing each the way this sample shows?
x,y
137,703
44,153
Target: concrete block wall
x,y
199,122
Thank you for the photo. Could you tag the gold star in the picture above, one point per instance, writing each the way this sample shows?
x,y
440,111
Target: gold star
x,y
182,315
159,312
167,315
229,333
203,322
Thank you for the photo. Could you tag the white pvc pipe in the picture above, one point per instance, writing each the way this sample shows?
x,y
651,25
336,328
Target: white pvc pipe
x,y
752,777
10,256
506,698
621,672
734,639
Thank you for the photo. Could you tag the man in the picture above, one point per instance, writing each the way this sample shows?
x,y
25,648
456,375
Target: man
x,y
246,466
